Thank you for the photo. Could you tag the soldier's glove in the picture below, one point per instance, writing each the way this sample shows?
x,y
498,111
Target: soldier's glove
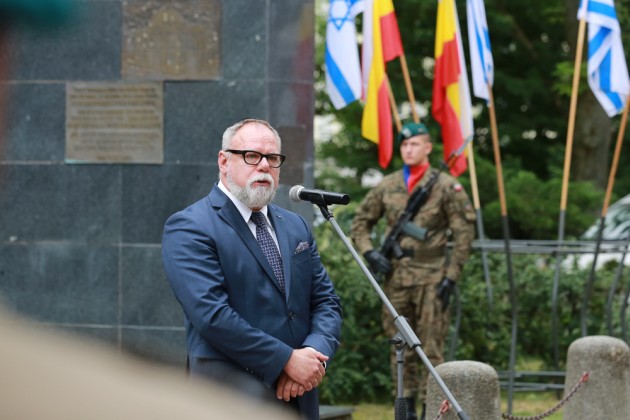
x,y
378,261
444,291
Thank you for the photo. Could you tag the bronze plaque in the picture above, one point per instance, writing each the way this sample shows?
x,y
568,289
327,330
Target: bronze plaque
x,y
114,123
171,39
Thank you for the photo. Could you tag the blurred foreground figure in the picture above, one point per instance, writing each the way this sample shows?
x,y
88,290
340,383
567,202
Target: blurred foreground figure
x,y
56,377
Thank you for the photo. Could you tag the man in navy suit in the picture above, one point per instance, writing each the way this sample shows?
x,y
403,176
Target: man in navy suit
x,y
265,332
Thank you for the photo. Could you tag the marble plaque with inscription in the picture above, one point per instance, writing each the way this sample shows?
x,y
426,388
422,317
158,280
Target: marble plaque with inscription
x,y
114,123
171,39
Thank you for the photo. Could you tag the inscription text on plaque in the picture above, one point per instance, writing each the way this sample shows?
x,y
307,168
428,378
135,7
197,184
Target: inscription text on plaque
x,y
114,123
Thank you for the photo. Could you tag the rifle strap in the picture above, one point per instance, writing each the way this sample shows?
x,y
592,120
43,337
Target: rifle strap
x,y
426,188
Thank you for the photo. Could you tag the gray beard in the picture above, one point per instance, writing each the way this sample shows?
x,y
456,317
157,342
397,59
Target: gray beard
x,y
253,197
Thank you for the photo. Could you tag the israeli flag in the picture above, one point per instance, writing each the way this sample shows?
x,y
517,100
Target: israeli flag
x,y
481,63
607,69
343,71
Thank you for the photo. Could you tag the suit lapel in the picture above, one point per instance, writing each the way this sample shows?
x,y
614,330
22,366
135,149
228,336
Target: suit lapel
x,y
228,212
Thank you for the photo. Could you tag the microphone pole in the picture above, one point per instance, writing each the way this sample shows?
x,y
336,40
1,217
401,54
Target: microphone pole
x,y
406,332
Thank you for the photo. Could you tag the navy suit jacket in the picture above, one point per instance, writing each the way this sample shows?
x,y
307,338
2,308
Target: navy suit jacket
x,y
234,308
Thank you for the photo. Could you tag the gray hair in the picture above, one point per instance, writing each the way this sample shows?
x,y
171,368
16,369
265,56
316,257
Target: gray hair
x,y
229,133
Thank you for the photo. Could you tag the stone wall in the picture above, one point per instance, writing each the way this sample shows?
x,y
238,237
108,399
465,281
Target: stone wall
x,y
113,122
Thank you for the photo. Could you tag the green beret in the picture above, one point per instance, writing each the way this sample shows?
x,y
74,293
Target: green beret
x,y
410,130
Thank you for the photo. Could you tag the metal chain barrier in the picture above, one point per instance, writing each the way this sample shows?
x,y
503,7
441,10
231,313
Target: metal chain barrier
x,y
549,412
444,407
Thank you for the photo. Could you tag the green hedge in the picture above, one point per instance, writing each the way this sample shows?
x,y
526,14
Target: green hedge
x,y
360,370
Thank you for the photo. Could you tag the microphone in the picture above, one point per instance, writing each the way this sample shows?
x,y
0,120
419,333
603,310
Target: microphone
x,y
298,193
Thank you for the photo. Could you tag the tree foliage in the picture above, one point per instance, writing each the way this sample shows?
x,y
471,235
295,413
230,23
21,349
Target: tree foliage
x,y
533,59
484,333
533,50
360,370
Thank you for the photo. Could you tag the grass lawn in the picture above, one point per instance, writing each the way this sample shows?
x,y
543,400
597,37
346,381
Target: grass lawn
x,y
524,404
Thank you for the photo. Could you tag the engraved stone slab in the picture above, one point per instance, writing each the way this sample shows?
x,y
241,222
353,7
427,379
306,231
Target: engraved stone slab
x,y
114,123
171,39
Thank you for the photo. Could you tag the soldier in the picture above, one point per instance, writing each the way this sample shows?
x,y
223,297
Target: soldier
x,y
420,283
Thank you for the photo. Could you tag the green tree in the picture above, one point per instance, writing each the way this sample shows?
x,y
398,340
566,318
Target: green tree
x,y
533,49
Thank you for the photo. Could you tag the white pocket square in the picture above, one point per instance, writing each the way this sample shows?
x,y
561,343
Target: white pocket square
x,y
301,247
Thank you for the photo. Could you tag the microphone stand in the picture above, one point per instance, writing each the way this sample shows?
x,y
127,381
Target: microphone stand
x,y
400,406
406,333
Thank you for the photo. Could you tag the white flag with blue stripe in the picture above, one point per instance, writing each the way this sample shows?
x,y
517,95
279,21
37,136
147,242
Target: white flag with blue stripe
x,y
607,68
481,63
343,71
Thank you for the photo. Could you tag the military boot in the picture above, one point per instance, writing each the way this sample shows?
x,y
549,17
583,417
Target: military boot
x,y
411,409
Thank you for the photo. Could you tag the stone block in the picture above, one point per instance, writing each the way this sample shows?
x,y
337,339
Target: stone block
x,y
152,193
474,385
34,132
244,31
146,295
291,45
61,283
164,345
174,40
60,203
196,114
86,48
605,394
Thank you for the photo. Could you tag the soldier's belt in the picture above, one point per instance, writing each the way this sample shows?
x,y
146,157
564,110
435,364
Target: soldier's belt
x,y
427,253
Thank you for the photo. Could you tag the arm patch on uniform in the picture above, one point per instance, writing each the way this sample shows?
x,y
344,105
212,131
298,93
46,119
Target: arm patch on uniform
x,y
457,187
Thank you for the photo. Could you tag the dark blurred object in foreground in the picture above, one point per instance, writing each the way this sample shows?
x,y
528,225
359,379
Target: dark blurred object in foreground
x,y
35,12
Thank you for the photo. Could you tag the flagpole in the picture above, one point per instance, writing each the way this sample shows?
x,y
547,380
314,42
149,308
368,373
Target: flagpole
x,y
392,102
412,98
615,161
602,223
473,175
482,236
506,239
572,112
497,151
565,182
600,231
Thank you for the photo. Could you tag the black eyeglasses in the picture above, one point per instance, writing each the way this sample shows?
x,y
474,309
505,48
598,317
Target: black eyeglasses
x,y
252,157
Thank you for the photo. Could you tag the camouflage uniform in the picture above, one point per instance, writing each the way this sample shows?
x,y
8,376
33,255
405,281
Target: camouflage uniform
x,y
411,286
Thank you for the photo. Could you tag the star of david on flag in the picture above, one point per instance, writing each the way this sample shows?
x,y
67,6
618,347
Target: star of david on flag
x,y
343,71
481,63
607,69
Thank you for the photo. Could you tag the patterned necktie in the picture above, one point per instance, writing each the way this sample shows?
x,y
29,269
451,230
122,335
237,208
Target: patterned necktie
x,y
268,246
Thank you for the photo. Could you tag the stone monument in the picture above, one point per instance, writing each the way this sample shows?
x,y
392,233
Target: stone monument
x,y
113,122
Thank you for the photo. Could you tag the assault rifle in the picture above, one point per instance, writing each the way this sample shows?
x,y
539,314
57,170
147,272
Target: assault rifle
x,y
391,246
